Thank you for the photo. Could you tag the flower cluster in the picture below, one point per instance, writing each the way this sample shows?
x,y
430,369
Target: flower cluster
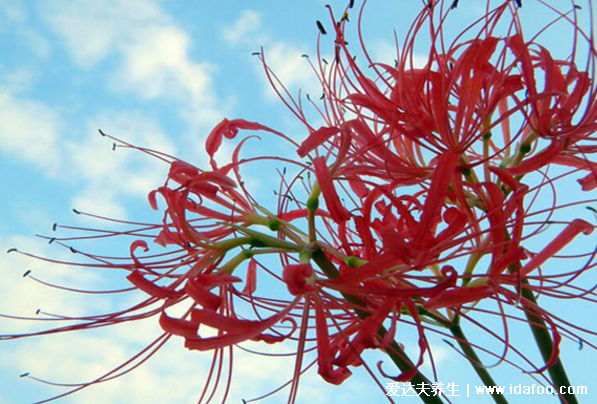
x,y
426,197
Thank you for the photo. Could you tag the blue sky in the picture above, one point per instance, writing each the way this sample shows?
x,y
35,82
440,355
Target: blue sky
x,y
157,74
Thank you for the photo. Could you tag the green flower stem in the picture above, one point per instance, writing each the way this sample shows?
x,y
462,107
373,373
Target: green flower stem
x,y
396,354
475,361
557,372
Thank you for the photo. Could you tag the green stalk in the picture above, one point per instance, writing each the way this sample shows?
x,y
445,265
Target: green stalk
x,y
475,361
557,372
396,354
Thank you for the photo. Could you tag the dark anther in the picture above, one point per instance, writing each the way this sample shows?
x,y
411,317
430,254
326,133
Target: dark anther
x,y
11,250
37,311
26,273
256,53
592,209
243,400
101,132
284,171
324,61
76,211
50,241
308,97
24,374
275,192
351,4
576,6
518,3
320,28
581,344
454,4
113,146
304,55
54,226
322,96
72,249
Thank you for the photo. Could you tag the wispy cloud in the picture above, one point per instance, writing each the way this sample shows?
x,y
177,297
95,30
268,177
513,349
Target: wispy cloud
x,y
246,29
148,54
283,57
107,175
29,131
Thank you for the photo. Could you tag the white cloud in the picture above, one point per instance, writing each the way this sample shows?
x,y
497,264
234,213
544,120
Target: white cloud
x,y
12,10
16,22
17,81
109,175
39,44
94,31
30,131
158,66
284,58
385,52
293,71
23,296
245,30
152,52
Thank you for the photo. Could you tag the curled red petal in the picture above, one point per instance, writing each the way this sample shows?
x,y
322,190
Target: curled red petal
x,y
316,139
588,182
251,282
202,295
442,176
228,129
573,229
253,329
177,326
324,351
151,197
182,172
218,321
159,292
296,276
332,200
395,243
458,297
301,213
534,163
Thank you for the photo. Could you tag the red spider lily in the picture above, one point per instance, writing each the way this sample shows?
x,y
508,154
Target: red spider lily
x,y
429,220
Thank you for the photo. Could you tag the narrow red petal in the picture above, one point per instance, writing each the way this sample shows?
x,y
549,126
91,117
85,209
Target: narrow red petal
x,y
316,139
177,326
151,288
458,297
575,228
332,200
436,197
